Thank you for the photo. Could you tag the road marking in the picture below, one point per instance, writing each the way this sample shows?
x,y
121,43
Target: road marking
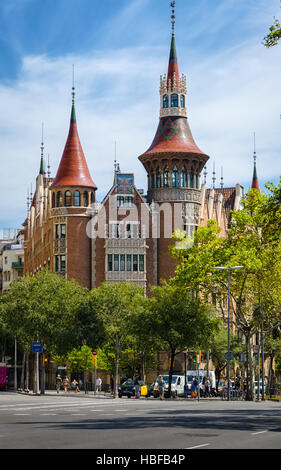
x,y
259,432
195,447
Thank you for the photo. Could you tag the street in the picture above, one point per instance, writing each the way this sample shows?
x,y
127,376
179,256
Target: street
x,y
77,421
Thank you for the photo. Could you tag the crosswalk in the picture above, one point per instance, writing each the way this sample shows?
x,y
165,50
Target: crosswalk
x,y
67,407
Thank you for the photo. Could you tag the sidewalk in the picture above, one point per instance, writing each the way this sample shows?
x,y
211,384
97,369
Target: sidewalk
x,y
70,393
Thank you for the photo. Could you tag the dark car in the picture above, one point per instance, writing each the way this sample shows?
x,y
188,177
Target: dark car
x,y
127,389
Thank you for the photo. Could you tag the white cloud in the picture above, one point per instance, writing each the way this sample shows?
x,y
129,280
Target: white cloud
x,y
230,95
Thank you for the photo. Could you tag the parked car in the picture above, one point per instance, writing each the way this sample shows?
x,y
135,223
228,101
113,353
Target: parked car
x,y
127,389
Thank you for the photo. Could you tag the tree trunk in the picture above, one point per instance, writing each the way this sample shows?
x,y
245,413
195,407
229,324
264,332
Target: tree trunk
x,y
171,371
23,369
116,369
26,387
250,367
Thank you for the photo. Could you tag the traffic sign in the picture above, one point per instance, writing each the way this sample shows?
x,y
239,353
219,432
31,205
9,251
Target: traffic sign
x,y
94,353
243,357
37,347
229,356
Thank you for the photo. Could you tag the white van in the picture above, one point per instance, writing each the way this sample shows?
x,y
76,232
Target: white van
x,y
177,385
202,374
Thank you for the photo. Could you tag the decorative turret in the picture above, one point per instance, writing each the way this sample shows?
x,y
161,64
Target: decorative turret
x,y
73,169
173,160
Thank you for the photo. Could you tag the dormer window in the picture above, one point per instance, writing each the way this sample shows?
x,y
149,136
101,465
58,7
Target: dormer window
x,y
174,101
182,101
165,101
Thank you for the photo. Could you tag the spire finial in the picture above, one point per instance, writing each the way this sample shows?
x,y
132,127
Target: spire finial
x,y
222,178
42,169
49,167
205,174
115,161
255,154
173,16
73,87
214,176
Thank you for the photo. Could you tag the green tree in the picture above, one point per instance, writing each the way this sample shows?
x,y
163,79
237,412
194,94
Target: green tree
x,y
43,308
252,242
180,321
115,304
274,35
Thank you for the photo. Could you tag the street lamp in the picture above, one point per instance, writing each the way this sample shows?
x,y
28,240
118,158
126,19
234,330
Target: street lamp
x,y
225,268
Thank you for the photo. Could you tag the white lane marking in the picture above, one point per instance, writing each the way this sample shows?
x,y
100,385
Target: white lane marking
x,y
22,414
96,410
196,447
259,432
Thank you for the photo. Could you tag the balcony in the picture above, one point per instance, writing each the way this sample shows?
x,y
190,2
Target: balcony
x,y
18,265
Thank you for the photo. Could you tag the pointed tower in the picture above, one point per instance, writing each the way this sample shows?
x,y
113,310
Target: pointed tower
x,y
255,181
174,162
72,192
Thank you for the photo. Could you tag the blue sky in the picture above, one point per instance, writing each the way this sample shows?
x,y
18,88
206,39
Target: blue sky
x,y
119,49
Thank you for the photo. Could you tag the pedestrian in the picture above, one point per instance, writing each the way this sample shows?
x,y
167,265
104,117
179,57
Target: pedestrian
x,y
65,384
207,387
80,384
99,383
73,384
58,383
194,385
161,385
137,386
111,383
76,385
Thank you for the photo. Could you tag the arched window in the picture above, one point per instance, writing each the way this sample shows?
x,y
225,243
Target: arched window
x,y
53,200
67,198
192,179
92,197
59,199
76,201
158,179
174,101
85,199
184,178
165,101
175,177
182,101
152,180
197,181
166,177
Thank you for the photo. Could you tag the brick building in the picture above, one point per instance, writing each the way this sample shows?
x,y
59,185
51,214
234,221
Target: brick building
x,y
127,235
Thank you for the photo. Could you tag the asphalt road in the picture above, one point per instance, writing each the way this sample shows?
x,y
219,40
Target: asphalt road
x,y
80,422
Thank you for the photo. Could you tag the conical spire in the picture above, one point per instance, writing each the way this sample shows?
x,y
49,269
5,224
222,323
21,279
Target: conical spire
x,y
173,61
255,182
42,164
73,169
173,69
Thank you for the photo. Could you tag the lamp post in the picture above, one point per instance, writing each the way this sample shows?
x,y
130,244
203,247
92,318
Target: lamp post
x,y
228,269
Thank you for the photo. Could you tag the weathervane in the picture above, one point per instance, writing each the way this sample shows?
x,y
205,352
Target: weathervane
x,y
255,155
73,87
173,16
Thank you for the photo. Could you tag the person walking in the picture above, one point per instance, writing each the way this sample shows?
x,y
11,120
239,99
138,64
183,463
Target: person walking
x,y
161,385
58,383
65,384
207,387
99,383
80,384
194,386
137,386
